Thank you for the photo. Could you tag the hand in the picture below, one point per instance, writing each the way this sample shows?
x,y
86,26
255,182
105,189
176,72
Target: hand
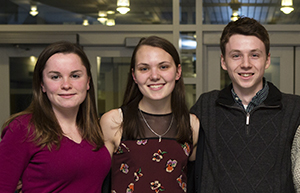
x,y
19,187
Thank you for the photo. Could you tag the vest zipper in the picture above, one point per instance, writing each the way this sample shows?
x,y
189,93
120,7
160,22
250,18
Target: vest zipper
x,y
247,123
247,126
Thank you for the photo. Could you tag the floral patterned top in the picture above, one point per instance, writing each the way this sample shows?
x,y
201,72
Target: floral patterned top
x,y
148,165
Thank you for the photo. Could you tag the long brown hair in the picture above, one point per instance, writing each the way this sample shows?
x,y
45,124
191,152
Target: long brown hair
x,y
47,131
132,96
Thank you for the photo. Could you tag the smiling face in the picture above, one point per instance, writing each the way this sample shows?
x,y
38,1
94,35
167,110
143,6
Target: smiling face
x,y
155,73
245,61
65,81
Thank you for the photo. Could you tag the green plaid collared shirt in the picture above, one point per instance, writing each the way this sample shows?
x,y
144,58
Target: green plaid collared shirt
x,y
256,100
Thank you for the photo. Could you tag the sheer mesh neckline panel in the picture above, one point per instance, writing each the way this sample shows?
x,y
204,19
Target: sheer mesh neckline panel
x,y
159,123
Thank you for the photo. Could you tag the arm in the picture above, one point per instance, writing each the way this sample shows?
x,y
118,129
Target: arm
x,y
194,121
195,124
295,157
14,155
110,124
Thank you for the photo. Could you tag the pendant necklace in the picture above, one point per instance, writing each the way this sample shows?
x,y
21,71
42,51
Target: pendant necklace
x,y
159,136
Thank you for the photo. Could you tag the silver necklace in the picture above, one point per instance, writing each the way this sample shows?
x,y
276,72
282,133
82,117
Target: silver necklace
x,y
159,140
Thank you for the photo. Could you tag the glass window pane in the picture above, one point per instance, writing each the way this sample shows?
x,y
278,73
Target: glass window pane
x,y
190,94
187,46
188,12
20,74
265,11
272,74
112,80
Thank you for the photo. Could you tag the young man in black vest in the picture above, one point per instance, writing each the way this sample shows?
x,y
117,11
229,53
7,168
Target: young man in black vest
x,y
247,128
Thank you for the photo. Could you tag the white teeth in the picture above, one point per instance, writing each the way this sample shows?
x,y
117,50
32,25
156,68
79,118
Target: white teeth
x,y
156,86
246,75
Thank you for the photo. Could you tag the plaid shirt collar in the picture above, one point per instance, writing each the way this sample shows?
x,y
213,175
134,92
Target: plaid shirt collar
x,y
256,100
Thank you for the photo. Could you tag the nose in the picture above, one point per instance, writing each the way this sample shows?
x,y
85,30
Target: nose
x,y
66,84
246,63
154,75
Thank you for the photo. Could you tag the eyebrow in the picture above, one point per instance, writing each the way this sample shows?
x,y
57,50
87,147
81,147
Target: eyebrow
x,y
254,50
142,63
233,51
163,62
57,72
257,50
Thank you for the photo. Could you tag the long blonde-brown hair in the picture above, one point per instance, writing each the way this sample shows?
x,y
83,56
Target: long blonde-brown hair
x,y
133,95
47,131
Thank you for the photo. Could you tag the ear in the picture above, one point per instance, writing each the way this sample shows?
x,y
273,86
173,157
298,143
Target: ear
x,y
268,61
133,75
178,73
88,84
43,88
223,63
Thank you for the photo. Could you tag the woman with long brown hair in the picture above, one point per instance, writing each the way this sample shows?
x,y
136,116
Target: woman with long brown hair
x,y
56,144
152,134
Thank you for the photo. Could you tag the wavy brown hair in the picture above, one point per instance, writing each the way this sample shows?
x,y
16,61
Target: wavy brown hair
x,y
47,131
245,26
132,96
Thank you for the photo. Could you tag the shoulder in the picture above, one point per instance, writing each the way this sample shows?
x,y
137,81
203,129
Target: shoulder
x,y
211,95
18,129
111,122
19,123
205,101
291,102
291,97
111,118
22,120
274,92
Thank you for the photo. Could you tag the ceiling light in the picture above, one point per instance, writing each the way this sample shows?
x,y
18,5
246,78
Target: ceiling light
x,y
110,18
102,14
33,10
110,12
235,5
123,6
85,22
287,6
235,15
110,22
102,17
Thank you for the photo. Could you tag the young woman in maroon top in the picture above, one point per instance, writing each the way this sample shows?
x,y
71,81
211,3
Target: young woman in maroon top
x,y
152,134
56,144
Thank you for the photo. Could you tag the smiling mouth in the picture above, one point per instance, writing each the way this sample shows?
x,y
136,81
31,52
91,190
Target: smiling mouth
x,y
156,86
246,74
66,95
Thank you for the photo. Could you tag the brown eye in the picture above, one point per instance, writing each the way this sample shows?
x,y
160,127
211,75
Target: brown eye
x,y
54,77
164,67
75,76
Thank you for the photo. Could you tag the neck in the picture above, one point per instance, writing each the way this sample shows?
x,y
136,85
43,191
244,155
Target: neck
x,y
66,119
246,94
155,107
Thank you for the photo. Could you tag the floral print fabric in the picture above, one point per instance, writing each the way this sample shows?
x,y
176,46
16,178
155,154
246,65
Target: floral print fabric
x,y
148,165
